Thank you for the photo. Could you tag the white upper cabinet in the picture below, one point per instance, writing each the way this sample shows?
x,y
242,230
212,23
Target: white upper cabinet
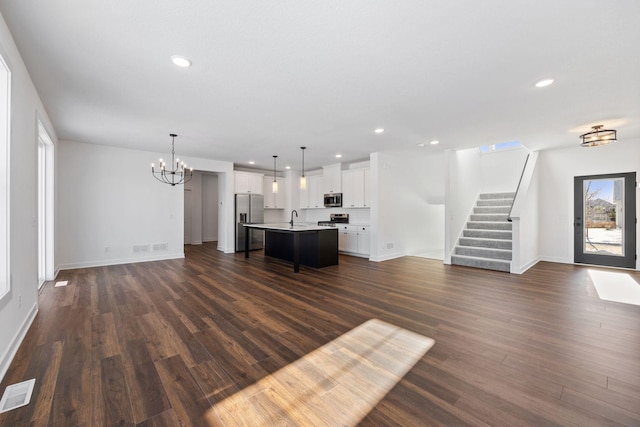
x,y
313,196
248,182
355,188
274,200
332,179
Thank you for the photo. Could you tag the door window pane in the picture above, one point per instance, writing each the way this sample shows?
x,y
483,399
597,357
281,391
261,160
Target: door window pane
x,y
603,216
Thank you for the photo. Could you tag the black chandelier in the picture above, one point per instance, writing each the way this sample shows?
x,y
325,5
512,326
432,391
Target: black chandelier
x,y
179,175
598,136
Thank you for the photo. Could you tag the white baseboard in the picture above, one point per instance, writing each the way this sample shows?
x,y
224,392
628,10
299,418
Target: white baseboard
x,y
102,263
387,257
556,259
11,351
355,254
525,267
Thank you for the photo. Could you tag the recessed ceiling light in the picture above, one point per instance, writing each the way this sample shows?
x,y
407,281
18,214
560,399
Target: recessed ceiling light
x,y
251,162
180,61
338,155
421,145
434,142
287,167
543,83
379,130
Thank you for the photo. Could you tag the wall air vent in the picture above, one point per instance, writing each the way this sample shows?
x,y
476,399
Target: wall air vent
x,y
17,395
160,247
140,248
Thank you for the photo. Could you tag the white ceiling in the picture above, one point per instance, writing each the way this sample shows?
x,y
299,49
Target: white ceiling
x,y
271,76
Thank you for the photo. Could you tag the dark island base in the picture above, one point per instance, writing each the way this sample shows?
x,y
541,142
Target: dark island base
x,y
318,248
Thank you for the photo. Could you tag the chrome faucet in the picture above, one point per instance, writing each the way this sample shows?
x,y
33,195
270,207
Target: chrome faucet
x,y
293,212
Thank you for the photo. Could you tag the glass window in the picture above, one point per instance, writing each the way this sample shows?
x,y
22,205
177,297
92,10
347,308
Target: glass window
x,y
485,149
5,99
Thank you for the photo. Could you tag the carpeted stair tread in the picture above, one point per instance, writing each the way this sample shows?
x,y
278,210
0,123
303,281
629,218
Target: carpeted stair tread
x,y
488,234
479,262
489,225
489,253
491,209
489,217
486,240
485,196
480,242
495,202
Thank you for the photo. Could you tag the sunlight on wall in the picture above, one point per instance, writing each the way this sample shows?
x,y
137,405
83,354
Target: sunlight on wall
x,y
617,287
335,385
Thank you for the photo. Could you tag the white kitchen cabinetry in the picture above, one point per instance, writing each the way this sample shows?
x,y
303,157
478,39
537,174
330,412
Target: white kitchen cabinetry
x,y
312,197
247,182
363,239
355,188
354,239
347,239
274,200
331,179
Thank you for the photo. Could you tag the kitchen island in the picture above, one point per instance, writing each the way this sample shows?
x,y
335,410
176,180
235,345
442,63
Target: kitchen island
x,y
311,245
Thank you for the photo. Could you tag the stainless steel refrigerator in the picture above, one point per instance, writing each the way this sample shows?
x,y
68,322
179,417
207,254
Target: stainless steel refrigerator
x,y
249,210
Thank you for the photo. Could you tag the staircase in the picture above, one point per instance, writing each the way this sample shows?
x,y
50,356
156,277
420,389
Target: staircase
x,y
486,240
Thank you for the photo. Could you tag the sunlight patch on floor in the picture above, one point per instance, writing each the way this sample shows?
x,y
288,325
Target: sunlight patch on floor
x,y
335,385
615,286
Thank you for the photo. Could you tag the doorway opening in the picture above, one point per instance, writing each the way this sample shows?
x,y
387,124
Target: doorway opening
x,y
605,220
201,213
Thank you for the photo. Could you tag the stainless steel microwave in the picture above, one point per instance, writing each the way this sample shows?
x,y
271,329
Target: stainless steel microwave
x,y
333,200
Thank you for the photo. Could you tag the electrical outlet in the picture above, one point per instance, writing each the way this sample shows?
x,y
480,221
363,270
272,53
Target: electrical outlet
x,y
390,245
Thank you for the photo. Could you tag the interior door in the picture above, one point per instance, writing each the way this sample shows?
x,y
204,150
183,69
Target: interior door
x,y
605,220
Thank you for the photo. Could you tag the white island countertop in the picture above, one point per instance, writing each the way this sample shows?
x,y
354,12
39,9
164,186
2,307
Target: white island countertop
x,y
285,226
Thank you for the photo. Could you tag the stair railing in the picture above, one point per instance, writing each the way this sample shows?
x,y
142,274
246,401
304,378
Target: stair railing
x,y
518,188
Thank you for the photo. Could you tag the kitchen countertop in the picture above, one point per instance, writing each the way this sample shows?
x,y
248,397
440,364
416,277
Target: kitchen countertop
x,y
285,226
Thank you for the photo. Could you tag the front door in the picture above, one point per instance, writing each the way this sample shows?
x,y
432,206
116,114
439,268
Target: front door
x,y
605,220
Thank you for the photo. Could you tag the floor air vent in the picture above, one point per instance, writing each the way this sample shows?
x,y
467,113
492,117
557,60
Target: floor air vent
x,y
17,395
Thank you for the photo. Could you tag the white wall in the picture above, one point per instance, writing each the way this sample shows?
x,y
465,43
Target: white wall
x,y
557,170
501,170
195,185
108,202
20,305
103,214
407,209
525,225
462,189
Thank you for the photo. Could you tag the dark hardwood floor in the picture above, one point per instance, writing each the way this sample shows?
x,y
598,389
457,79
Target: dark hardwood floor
x,y
162,343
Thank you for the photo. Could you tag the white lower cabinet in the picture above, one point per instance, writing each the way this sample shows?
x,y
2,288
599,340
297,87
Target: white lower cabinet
x,y
354,239
363,240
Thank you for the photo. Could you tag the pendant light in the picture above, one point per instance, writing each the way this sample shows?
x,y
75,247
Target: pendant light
x,y
173,177
303,179
598,136
274,186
